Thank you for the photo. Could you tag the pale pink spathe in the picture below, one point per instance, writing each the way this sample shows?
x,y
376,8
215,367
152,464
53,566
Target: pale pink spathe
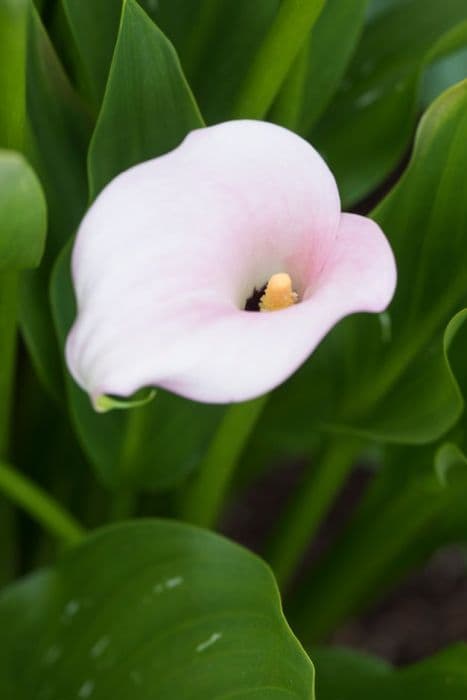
x,y
171,249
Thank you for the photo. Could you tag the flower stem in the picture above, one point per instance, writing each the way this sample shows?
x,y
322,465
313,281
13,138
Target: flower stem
x,y
307,509
40,505
125,498
202,501
134,436
286,36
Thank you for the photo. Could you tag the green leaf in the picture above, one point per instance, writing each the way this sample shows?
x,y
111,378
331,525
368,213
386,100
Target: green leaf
x,y
151,609
417,400
22,214
94,28
148,108
349,675
332,44
395,387
368,127
58,136
149,447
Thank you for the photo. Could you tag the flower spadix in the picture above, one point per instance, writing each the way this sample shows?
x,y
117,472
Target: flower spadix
x,y
215,270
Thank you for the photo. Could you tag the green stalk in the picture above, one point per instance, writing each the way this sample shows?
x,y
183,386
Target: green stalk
x,y
203,499
40,505
287,109
308,507
275,57
125,498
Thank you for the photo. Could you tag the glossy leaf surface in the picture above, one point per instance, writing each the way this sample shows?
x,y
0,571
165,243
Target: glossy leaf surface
x,y
151,609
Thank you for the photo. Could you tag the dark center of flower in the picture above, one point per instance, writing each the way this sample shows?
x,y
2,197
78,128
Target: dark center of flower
x,y
252,303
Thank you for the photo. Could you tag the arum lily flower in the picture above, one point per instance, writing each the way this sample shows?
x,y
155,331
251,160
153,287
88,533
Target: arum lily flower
x,y
214,271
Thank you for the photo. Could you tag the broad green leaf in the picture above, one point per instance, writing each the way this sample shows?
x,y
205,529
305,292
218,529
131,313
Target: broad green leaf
x,y
368,127
148,108
22,214
392,382
349,675
58,134
332,43
151,609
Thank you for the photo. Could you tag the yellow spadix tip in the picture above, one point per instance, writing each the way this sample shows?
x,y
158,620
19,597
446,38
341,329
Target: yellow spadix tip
x,y
278,293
